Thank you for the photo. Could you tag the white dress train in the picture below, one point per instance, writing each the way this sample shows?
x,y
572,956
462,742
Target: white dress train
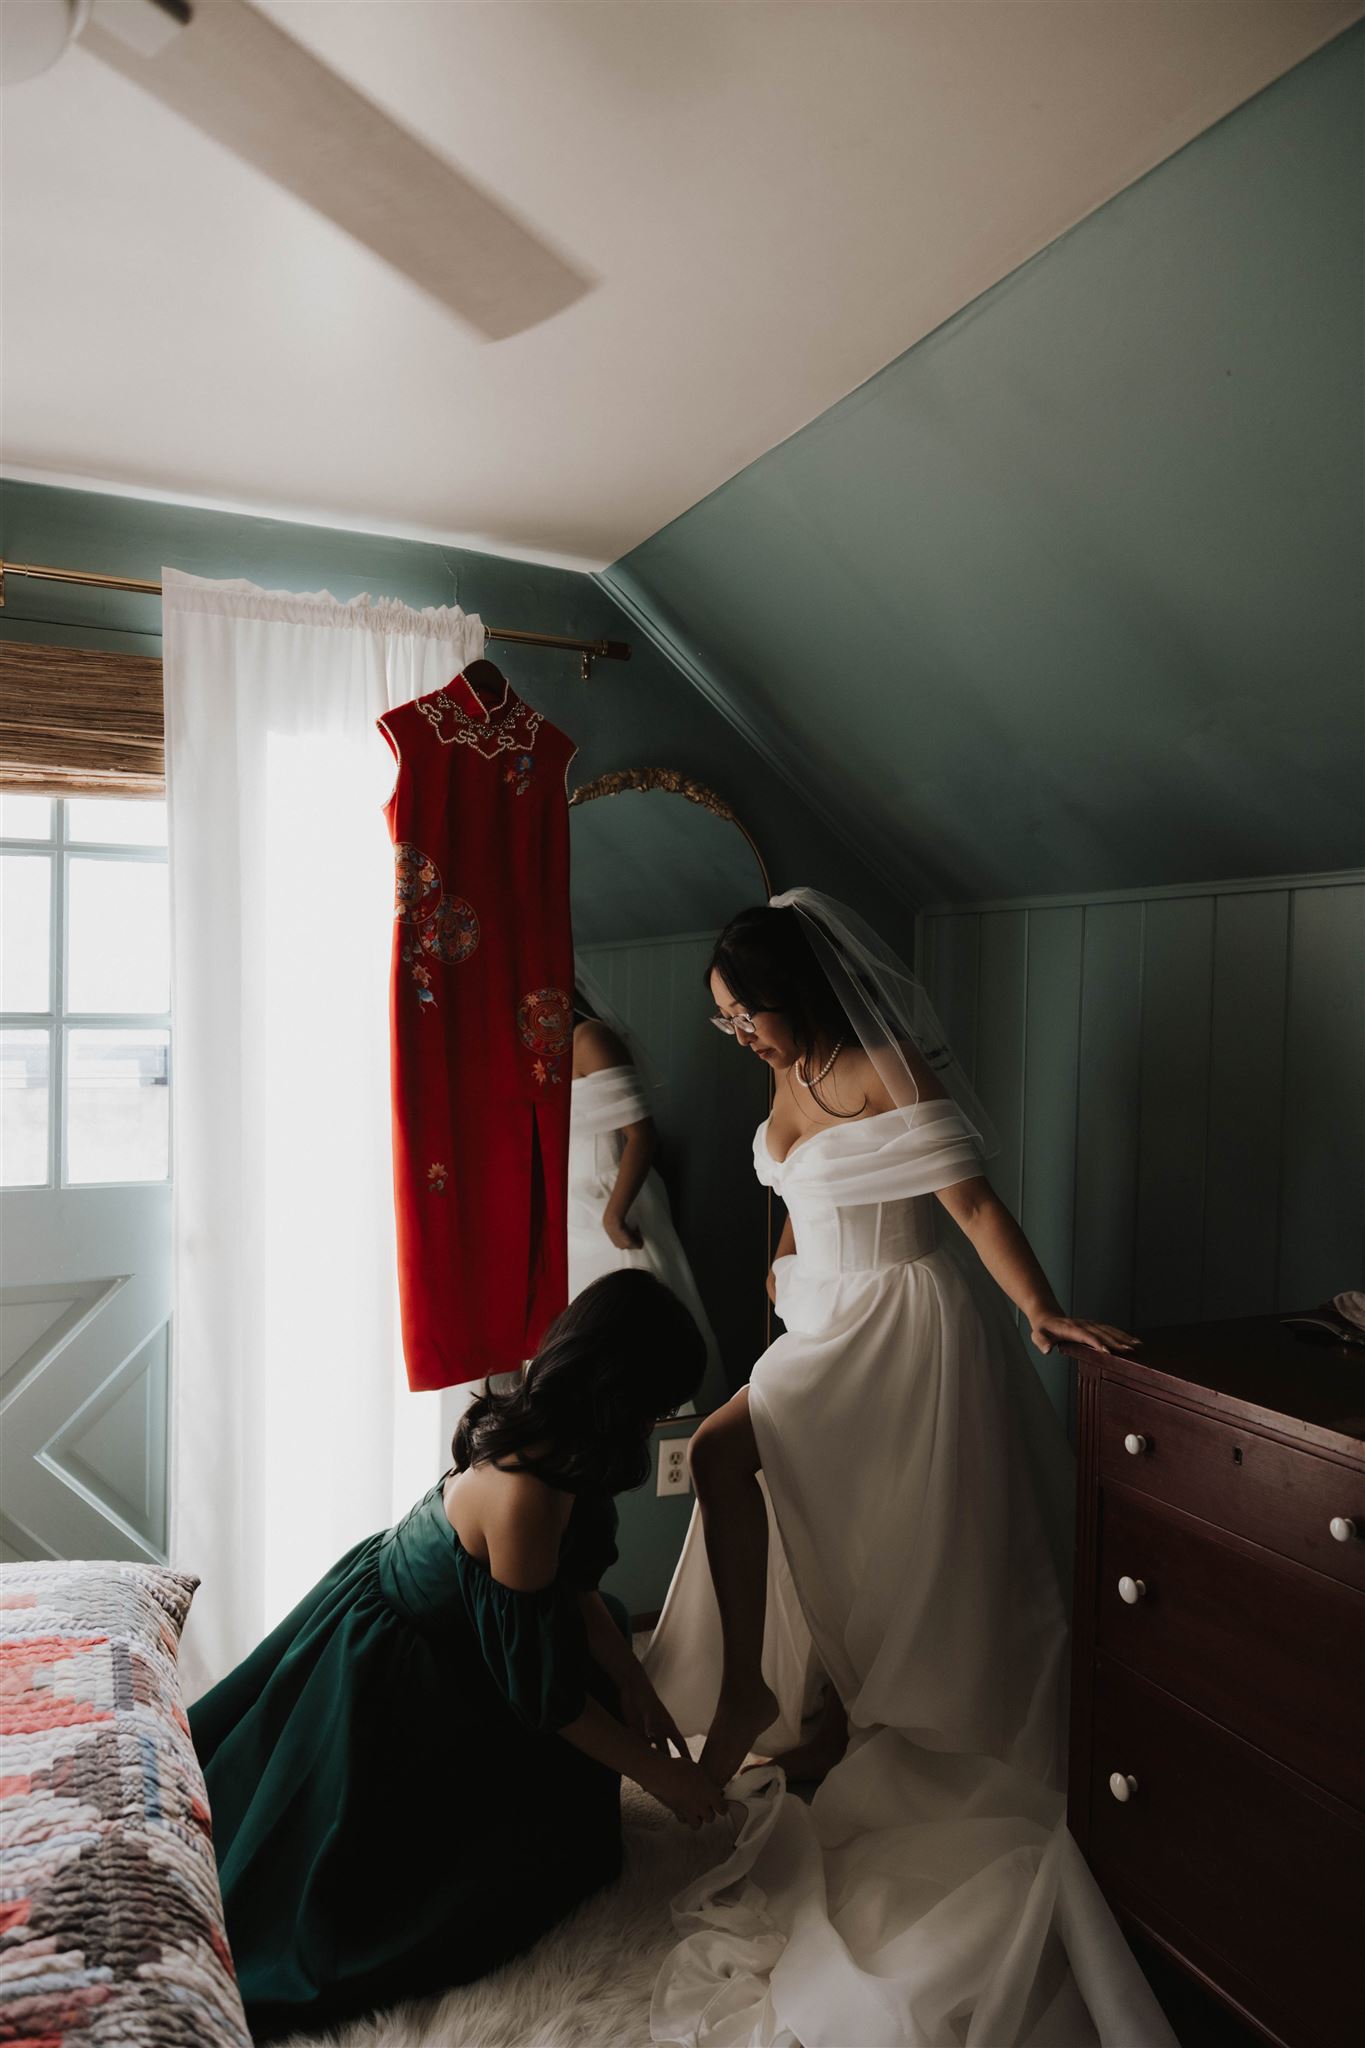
x,y
601,1105
931,1895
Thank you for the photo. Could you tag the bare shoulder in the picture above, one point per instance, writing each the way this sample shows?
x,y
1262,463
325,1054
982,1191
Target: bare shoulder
x,y
857,1086
596,1046
853,1087
523,1524
871,1088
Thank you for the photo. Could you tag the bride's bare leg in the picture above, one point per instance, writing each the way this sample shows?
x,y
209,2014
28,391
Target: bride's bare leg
x,y
734,1519
813,1760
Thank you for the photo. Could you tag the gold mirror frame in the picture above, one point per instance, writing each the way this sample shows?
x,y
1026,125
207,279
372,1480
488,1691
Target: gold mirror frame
x,y
617,782
620,780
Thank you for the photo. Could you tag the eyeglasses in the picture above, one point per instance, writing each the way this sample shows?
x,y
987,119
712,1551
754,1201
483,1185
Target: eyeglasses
x,y
740,1026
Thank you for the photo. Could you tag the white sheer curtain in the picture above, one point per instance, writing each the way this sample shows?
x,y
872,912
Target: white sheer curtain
x,y
293,1434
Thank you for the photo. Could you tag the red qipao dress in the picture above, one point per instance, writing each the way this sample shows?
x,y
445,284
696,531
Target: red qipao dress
x,y
482,1028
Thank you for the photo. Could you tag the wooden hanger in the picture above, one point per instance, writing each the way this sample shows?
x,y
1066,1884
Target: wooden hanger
x,y
487,681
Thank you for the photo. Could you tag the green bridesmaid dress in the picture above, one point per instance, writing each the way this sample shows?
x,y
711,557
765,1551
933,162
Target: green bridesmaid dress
x,y
393,1812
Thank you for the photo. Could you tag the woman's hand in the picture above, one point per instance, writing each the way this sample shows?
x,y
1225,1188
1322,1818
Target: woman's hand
x,y
627,1237
772,1286
684,1788
645,1712
1055,1328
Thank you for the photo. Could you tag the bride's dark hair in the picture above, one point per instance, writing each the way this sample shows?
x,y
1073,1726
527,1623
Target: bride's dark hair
x,y
623,1354
765,960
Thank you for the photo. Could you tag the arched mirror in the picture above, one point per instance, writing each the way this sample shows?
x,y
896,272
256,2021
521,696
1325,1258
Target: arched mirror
x,y
659,863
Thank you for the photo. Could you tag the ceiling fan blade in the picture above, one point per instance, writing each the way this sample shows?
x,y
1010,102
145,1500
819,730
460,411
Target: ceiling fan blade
x,y
242,80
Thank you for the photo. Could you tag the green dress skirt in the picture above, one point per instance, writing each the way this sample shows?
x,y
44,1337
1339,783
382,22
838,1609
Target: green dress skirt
x,y
393,1811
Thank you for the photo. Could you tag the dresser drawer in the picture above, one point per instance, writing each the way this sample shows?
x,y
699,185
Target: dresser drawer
x,y
1269,1492
1259,1868
1273,1652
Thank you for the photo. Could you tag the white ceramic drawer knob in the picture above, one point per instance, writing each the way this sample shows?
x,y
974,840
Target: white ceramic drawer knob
x,y
1342,1528
1132,1590
1123,1786
1135,1445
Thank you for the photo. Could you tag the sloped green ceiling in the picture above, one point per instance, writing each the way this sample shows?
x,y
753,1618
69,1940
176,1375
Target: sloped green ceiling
x,y
1071,594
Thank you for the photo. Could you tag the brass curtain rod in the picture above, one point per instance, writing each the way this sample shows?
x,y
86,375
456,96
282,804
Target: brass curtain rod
x,y
589,651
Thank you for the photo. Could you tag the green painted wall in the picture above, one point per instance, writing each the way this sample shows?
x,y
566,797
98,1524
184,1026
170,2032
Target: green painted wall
x,y
1178,1085
650,1536
1070,596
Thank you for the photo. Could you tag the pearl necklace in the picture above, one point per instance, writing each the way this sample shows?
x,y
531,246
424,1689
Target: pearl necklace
x,y
838,1048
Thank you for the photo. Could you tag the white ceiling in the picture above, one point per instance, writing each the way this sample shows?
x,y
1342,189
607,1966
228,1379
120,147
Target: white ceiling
x,y
780,199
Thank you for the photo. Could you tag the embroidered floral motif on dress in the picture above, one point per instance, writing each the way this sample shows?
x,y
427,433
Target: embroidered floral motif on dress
x,y
417,884
514,732
444,928
545,1027
519,773
452,932
436,1178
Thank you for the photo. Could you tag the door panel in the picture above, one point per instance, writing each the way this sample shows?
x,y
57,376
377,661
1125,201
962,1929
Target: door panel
x,y
85,1270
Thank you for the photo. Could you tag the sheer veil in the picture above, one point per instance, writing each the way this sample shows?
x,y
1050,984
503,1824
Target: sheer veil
x,y
889,1009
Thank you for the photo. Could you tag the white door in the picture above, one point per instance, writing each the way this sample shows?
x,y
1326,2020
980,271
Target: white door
x,y
84,1177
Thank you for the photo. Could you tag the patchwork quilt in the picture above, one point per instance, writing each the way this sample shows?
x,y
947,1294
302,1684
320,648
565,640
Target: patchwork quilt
x,y
111,1924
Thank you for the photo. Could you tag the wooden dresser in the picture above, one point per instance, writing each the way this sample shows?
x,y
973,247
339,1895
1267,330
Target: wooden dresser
x,y
1217,1777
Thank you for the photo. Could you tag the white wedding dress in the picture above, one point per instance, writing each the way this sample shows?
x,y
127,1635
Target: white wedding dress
x,y
601,1105
930,1896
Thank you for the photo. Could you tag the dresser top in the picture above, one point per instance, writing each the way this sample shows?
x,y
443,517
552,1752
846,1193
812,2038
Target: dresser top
x,y
1253,1366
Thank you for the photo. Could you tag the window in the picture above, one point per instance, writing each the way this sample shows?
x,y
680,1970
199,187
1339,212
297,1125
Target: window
x,y
85,1040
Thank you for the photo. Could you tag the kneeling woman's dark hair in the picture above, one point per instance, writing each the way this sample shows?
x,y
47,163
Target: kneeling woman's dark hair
x,y
624,1353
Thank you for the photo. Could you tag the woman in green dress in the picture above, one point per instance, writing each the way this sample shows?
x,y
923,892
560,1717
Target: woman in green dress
x,y
418,1772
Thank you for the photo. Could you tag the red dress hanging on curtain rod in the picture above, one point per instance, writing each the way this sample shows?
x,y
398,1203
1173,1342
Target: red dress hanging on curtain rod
x,y
482,1026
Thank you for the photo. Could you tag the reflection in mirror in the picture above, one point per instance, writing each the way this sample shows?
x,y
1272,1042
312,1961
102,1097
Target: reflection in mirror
x,y
664,1109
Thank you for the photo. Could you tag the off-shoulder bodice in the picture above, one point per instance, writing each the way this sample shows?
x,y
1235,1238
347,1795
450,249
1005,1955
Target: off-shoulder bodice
x,y
858,1192
606,1100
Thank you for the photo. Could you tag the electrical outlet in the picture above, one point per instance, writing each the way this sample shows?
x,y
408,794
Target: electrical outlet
x,y
674,1476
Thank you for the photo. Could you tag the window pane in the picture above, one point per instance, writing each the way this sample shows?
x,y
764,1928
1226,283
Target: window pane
x,y
117,1106
116,821
25,817
118,936
25,1060
25,933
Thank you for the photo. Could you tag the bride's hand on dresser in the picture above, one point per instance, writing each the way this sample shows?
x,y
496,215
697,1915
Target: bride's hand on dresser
x,y
1048,1330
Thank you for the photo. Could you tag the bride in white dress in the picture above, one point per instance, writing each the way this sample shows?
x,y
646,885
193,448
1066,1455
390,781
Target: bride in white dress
x,y
879,1498
618,1208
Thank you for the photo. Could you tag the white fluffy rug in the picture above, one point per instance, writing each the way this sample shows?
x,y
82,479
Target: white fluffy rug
x,y
587,1984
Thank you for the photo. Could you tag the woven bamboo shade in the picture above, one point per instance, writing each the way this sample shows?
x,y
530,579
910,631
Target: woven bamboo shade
x,y
80,722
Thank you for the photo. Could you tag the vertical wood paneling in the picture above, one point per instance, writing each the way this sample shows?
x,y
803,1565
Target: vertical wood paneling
x,y
1173,1113
1321,1250
1000,1044
1107,1112
1213,1095
1052,1040
1246,1075
949,972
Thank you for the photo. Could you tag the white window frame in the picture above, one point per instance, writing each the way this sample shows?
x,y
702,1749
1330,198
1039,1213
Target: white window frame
x,y
57,1020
